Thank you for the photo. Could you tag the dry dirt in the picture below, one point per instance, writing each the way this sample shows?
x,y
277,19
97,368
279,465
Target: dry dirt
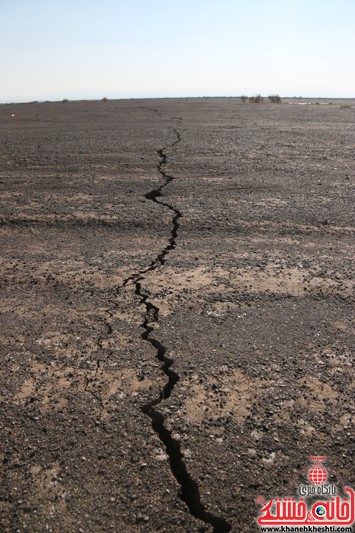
x,y
176,304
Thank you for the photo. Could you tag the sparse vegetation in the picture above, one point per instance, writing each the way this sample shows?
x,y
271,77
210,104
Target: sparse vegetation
x,y
104,99
65,100
244,98
255,99
275,98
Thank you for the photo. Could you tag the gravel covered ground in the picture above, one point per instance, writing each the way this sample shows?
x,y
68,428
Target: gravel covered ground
x,y
176,301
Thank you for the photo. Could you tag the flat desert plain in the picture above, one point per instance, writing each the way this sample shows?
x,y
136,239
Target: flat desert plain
x,y
176,302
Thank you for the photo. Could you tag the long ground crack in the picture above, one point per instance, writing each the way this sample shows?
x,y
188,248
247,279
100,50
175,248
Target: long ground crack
x,y
189,491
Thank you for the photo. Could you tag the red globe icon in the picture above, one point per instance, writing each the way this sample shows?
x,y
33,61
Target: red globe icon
x,y
317,475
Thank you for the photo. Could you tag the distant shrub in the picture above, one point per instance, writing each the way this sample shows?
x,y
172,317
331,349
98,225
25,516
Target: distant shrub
x,y
65,100
275,98
104,99
255,99
244,98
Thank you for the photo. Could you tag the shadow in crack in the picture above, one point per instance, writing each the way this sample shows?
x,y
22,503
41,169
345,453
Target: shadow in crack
x,y
189,492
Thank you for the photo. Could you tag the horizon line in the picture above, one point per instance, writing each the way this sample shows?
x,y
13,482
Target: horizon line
x,y
107,99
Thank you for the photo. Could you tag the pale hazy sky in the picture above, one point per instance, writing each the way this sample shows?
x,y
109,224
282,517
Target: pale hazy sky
x,y
150,48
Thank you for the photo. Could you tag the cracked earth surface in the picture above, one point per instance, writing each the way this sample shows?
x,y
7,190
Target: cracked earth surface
x,y
176,302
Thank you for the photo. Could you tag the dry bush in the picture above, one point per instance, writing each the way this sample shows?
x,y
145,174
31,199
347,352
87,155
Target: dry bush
x,y
256,99
275,98
244,98
104,99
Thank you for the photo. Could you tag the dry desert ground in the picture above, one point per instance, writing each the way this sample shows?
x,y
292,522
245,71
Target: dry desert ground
x,y
176,304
